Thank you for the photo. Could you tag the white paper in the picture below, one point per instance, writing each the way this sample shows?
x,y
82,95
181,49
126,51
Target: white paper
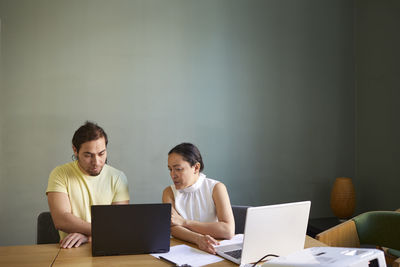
x,y
183,254
237,239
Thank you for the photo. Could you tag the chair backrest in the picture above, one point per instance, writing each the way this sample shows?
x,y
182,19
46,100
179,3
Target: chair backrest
x,y
46,231
239,213
380,228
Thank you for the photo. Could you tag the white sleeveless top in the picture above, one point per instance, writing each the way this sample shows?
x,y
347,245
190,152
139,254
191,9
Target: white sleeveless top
x,y
195,202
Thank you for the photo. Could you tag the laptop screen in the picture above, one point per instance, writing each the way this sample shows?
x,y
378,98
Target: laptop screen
x,y
275,229
130,229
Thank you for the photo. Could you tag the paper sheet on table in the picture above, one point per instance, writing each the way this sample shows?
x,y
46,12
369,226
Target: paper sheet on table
x,y
234,240
183,254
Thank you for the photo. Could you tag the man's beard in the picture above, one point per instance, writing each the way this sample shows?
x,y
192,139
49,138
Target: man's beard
x,y
94,173
91,172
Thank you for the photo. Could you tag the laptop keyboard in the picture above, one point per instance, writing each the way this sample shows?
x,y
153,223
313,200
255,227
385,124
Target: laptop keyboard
x,y
234,253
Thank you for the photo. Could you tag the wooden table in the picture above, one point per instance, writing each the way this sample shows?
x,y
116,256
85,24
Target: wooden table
x,y
34,255
45,255
82,256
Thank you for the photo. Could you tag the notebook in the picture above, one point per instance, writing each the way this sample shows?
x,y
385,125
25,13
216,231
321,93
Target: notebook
x,y
276,229
130,229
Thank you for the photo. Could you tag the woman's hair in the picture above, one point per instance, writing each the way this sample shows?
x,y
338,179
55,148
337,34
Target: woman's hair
x,y
190,153
88,132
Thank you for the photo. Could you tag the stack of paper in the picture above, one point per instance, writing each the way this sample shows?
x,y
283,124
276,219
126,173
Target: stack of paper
x,y
183,254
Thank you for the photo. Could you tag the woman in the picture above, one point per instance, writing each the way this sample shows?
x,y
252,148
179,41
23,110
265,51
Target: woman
x,y
201,209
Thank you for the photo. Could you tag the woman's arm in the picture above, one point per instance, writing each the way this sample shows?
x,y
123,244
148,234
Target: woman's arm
x,y
204,242
225,227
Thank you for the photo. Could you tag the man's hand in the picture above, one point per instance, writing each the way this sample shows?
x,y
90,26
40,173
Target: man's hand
x,y
176,219
207,243
74,240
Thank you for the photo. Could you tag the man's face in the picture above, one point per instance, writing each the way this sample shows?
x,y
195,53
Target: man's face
x,y
92,156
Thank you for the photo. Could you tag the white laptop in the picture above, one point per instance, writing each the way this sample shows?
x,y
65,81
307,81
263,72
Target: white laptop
x,y
276,229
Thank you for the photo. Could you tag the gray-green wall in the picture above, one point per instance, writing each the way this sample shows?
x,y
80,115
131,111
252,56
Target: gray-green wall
x,y
378,103
264,88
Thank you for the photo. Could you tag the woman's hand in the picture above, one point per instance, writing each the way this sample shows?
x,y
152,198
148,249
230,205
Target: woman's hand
x,y
176,219
74,240
207,243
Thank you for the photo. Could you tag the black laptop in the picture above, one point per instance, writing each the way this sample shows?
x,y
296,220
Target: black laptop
x,y
130,229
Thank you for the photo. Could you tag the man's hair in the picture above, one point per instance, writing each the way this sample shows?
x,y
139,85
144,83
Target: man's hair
x,y
189,153
88,132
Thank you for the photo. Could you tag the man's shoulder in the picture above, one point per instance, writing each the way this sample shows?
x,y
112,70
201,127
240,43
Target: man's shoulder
x,y
111,171
114,175
62,174
64,167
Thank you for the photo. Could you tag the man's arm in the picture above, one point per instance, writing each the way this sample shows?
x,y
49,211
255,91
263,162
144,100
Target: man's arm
x,y
120,202
78,229
64,220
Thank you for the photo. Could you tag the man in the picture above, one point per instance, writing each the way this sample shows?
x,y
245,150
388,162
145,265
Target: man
x,y
88,180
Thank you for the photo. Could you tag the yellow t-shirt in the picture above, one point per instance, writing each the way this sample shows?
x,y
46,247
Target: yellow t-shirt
x,y
83,191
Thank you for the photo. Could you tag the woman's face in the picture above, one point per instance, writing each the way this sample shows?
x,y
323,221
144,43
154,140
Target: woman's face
x,y
182,174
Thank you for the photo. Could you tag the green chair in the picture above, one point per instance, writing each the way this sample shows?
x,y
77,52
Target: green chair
x,y
375,228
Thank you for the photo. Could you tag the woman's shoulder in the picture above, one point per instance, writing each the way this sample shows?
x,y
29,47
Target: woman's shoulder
x,y
168,194
167,190
217,186
210,181
220,186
